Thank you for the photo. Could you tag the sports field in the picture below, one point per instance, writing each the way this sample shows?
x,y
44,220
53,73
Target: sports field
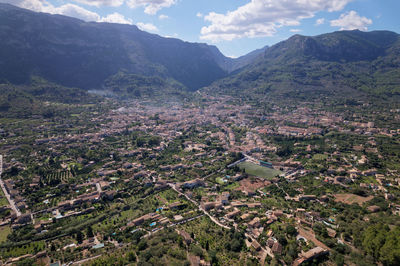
x,y
257,170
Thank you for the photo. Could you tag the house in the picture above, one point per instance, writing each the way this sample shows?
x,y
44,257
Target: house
x,y
373,208
194,183
307,197
161,184
255,223
277,248
256,245
177,205
309,255
254,205
233,214
108,195
208,205
270,242
24,218
370,172
140,174
186,237
278,213
224,198
331,232
249,193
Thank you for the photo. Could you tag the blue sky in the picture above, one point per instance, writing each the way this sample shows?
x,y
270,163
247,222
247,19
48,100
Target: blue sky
x,y
236,27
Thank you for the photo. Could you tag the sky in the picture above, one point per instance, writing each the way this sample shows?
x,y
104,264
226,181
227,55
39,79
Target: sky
x,y
236,27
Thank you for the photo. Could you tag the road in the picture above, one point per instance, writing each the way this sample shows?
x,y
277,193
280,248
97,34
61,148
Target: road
x,y
3,187
98,187
80,262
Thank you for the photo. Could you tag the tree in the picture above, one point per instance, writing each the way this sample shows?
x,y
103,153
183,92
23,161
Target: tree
x,y
142,245
131,256
390,251
79,237
90,232
291,230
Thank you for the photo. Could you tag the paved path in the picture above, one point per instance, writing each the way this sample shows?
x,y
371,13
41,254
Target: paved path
x,y
80,262
98,187
3,187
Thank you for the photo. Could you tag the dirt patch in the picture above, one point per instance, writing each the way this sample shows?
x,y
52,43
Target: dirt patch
x,y
352,198
252,184
310,235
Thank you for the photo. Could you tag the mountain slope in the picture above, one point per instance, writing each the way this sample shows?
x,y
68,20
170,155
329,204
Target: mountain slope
x,y
233,64
74,53
351,62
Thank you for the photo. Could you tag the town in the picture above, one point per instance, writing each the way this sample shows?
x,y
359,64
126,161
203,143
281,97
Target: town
x,y
221,180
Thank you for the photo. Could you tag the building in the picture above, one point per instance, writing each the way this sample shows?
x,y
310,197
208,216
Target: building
x,y
233,214
309,255
194,183
277,248
256,245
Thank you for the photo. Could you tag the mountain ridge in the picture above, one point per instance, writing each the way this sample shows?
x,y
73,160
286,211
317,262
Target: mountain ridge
x,y
353,61
36,42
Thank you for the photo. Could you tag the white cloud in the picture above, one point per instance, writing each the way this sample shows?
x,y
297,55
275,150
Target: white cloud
x,y
116,18
175,35
101,2
163,17
147,26
68,10
263,17
320,21
351,21
76,12
295,30
199,15
151,7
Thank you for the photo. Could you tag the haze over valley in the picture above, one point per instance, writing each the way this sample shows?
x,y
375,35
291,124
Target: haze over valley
x,y
123,147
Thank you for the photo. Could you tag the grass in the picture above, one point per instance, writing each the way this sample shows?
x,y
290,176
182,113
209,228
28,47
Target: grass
x,y
4,232
232,186
320,157
3,199
257,170
220,181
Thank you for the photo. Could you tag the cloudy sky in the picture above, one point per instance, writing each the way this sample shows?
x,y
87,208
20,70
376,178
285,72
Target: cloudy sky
x,y
234,26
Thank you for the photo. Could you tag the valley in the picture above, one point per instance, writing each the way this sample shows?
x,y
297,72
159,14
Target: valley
x,y
121,147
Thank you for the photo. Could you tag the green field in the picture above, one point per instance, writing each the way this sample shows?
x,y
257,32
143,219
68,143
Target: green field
x,y
220,181
320,157
257,170
4,232
3,200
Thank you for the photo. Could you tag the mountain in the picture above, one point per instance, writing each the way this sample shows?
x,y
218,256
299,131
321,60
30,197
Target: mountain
x,y
74,53
42,98
233,64
346,63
